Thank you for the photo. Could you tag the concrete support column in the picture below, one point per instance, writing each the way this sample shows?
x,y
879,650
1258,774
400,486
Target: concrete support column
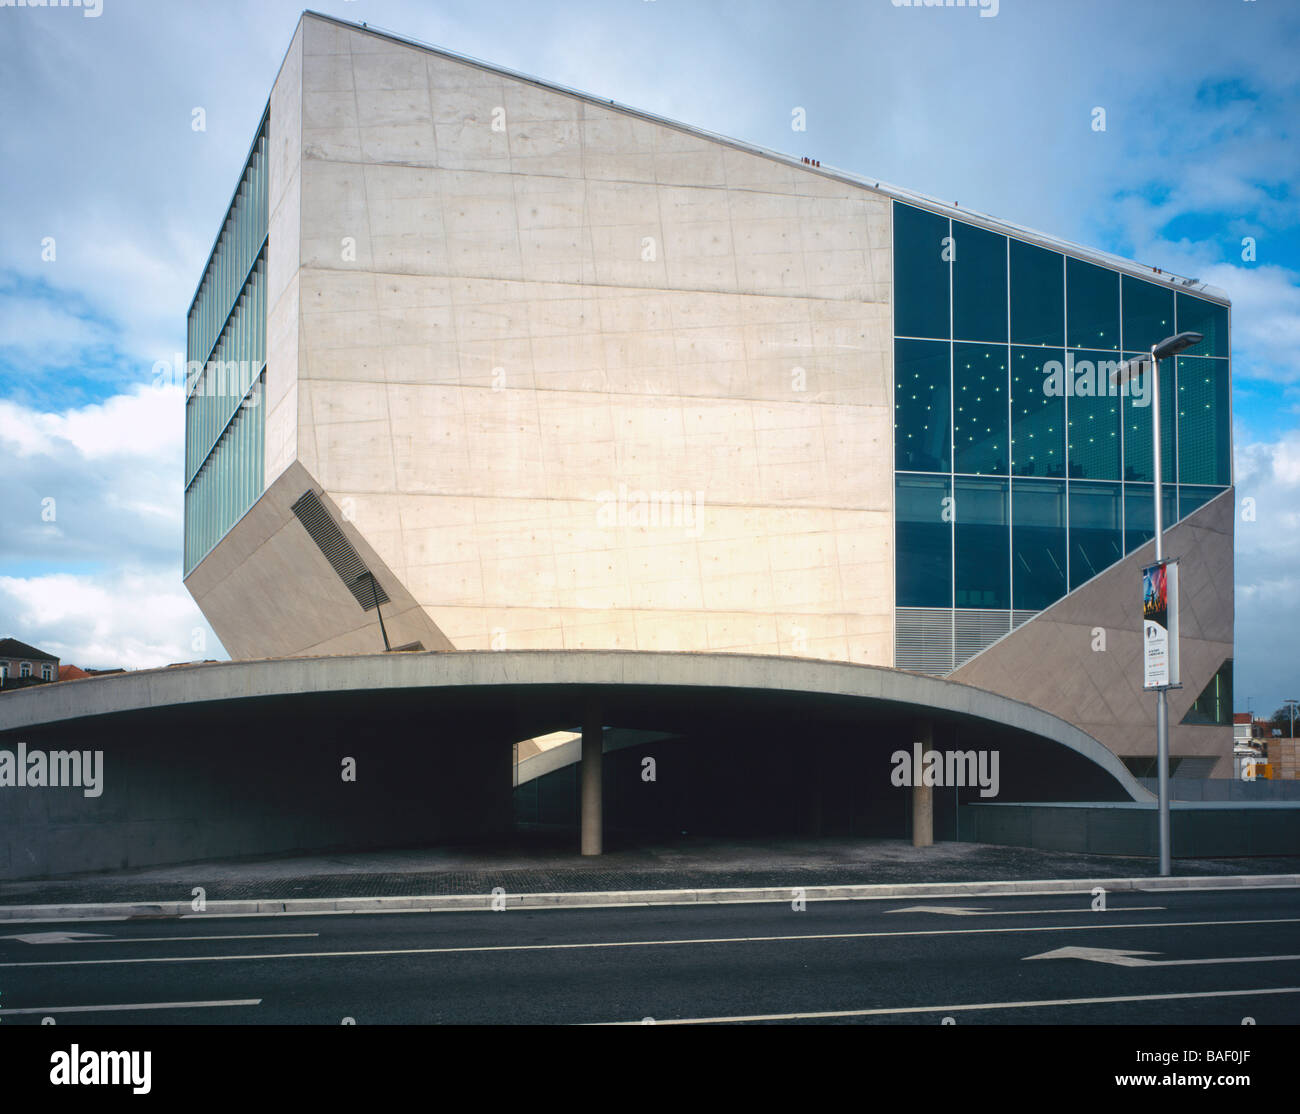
x,y
922,795
593,757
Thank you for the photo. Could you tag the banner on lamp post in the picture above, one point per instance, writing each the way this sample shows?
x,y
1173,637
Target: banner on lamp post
x,y
1160,626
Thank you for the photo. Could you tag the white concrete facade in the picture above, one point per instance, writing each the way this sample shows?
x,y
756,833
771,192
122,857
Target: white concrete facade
x,y
579,380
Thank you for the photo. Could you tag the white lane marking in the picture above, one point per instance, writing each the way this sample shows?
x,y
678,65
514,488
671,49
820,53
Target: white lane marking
x,y
968,1006
100,938
963,911
635,943
53,937
1121,957
137,1006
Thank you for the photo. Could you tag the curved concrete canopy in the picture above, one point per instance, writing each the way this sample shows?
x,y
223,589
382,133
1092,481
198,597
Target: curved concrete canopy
x,y
615,674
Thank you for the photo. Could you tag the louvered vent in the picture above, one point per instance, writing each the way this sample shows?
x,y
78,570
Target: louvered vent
x,y
976,629
937,640
923,640
343,558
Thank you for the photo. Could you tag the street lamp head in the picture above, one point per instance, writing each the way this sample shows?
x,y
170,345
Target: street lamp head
x,y
1171,346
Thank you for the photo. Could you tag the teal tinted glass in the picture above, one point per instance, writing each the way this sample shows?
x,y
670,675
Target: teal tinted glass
x,y
983,572
922,542
1194,498
1196,315
1140,514
1095,530
1037,412
1148,314
979,284
1037,295
1092,305
1094,421
979,408
1037,543
921,299
1204,433
1214,705
921,406
1137,427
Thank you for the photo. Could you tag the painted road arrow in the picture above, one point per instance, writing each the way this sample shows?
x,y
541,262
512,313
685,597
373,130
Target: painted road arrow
x,y
963,911
54,937
951,910
1120,957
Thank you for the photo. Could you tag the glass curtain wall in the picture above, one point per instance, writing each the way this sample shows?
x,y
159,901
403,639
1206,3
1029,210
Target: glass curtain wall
x,y
1020,472
226,363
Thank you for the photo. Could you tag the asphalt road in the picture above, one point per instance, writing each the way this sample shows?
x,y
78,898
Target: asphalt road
x,y
1207,957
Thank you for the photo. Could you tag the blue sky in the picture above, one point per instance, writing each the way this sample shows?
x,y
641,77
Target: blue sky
x,y
994,112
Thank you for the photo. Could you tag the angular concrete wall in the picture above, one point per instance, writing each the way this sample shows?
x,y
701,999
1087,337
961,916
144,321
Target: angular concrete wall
x,y
269,590
1050,661
521,310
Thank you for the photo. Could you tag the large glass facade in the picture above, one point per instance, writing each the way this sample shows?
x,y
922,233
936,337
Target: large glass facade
x,y
224,419
1021,471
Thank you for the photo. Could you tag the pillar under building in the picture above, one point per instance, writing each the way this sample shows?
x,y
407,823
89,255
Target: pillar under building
x,y
922,794
593,756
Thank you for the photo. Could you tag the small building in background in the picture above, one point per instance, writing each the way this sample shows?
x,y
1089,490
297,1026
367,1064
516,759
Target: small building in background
x,y
22,665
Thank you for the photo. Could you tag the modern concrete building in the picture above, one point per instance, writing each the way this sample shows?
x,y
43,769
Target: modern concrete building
x,y
511,367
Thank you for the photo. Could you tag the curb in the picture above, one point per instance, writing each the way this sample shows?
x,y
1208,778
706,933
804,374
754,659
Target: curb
x,y
102,911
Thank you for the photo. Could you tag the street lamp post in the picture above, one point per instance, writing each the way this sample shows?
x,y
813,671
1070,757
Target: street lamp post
x,y
1291,705
1168,347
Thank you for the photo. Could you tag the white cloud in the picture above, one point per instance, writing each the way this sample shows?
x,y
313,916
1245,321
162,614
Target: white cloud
x,y
1267,575
90,557
148,422
134,620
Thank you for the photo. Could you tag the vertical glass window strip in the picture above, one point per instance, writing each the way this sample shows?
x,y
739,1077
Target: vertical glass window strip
x,y
1037,412
1037,295
979,284
1148,313
922,427
1136,409
923,541
979,409
983,538
1093,448
921,296
1092,307
1197,315
1037,543
1095,539
1204,436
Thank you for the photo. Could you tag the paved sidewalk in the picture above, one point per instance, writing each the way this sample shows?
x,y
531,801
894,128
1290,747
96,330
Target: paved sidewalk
x,y
543,864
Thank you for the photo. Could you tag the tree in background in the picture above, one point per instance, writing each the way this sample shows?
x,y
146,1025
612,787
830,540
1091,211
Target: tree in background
x,y
1282,718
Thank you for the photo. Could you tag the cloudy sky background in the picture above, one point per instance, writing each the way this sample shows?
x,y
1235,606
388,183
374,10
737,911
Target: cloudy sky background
x,y
1201,149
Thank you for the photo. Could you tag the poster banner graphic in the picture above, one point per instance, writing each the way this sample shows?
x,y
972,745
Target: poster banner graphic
x,y
1160,625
